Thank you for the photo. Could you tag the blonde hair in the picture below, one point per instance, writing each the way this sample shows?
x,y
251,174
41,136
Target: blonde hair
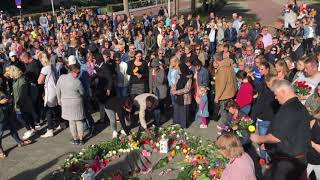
x,y
176,60
230,145
44,59
13,72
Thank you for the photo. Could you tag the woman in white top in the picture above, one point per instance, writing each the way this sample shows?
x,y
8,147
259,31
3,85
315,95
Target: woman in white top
x,y
48,77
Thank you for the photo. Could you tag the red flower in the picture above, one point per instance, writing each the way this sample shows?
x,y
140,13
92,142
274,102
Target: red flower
x,y
105,162
309,88
262,162
299,84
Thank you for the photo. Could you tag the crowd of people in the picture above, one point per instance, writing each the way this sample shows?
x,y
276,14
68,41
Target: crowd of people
x,y
64,67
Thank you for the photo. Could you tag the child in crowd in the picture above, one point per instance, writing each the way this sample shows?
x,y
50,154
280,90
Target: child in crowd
x,y
203,112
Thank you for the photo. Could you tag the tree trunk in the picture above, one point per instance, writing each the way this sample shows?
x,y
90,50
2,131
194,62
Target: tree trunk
x,y
193,6
178,1
126,7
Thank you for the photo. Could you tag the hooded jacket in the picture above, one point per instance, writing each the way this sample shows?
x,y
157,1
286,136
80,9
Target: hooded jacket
x,y
225,81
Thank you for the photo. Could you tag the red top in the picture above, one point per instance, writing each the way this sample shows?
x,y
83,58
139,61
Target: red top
x,y
245,95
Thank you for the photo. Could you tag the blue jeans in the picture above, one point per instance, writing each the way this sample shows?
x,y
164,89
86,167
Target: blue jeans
x,y
246,109
262,127
122,91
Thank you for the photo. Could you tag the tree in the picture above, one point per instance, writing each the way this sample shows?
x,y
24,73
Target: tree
x,y
126,7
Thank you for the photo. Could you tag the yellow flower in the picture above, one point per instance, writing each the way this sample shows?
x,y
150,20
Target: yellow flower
x,y
251,128
185,151
173,153
199,157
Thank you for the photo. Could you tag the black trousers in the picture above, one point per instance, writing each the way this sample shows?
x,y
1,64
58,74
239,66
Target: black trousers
x,y
288,168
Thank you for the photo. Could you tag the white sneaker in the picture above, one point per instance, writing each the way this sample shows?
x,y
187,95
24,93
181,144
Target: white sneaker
x,y
202,126
114,134
123,132
58,128
49,133
37,127
28,134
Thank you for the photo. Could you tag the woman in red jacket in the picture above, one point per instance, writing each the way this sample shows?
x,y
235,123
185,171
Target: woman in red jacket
x,y
245,94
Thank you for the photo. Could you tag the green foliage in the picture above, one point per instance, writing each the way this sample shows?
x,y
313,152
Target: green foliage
x,y
163,162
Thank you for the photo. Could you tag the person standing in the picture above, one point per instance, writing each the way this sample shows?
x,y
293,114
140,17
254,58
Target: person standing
x,y
289,134
70,94
22,100
48,77
225,84
182,92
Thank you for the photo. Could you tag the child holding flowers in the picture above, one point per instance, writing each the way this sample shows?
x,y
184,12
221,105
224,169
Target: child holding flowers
x,y
203,112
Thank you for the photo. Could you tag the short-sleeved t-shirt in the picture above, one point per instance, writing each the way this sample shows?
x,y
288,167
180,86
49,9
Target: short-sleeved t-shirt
x,y
49,87
291,126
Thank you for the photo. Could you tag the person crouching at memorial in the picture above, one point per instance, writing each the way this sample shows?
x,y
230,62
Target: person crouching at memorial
x,y
119,108
147,103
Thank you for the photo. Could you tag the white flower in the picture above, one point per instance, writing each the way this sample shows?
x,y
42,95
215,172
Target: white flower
x,y
200,167
114,152
120,150
187,138
200,141
177,147
157,144
182,168
178,135
71,155
163,136
131,149
80,153
128,150
209,167
185,133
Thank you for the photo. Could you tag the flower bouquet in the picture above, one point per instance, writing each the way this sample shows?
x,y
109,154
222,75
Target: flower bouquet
x,y
301,88
242,128
202,159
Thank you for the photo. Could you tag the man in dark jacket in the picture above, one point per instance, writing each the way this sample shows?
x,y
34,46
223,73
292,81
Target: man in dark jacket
x,y
230,34
104,81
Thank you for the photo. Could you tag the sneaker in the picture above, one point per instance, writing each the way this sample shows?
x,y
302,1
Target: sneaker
x,y
75,142
202,126
28,134
123,132
81,142
58,128
114,134
37,127
49,133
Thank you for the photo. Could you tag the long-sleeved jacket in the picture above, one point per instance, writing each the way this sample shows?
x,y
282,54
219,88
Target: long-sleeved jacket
x,y
230,35
140,104
21,95
158,83
203,77
226,85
